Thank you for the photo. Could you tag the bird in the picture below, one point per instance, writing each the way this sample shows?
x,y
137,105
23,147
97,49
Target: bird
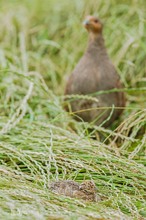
x,y
85,191
95,73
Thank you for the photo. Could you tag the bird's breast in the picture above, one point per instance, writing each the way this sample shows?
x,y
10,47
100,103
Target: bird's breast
x,y
85,77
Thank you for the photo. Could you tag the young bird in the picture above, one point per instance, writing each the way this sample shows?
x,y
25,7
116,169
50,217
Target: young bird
x,y
93,73
86,190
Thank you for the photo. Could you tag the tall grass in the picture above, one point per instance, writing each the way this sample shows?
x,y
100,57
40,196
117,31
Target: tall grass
x,y
41,42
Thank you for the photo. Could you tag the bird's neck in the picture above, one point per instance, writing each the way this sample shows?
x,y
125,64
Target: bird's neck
x,y
96,44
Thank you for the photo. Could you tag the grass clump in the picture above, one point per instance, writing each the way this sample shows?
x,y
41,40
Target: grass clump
x,y
41,42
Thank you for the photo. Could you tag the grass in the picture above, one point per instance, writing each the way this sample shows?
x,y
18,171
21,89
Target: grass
x,y
41,42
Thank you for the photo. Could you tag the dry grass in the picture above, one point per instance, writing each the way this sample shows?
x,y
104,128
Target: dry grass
x,y
41,42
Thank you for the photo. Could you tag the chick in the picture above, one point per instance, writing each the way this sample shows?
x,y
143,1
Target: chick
x,y
86,190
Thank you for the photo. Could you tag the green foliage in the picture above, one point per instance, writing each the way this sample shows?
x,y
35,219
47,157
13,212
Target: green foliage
x,y
41,42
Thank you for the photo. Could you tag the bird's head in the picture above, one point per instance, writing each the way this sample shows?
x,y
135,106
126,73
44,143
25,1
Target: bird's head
x,y
88,186
93,24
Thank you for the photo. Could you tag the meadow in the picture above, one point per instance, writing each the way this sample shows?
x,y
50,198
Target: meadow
x,y
41,42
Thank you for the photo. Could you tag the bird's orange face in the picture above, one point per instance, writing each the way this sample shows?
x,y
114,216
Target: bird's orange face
x,y
92,24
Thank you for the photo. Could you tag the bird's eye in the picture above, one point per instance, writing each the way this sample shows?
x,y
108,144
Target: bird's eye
x,y
96,20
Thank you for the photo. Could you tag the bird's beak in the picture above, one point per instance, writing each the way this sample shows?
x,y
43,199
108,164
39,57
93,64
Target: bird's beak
x,y
86,22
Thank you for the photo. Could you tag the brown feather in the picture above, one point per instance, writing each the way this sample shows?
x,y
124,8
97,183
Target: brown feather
x,y
95,73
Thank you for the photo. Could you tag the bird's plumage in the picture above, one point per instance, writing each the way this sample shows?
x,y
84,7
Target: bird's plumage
x,y
93,73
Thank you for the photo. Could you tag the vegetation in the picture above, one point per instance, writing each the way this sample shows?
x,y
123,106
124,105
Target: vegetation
x,y
41,42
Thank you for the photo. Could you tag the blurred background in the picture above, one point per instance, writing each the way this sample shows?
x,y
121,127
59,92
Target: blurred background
x,y
47,37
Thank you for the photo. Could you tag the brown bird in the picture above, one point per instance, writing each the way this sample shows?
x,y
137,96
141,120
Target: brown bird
x,y
86,190
95,72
